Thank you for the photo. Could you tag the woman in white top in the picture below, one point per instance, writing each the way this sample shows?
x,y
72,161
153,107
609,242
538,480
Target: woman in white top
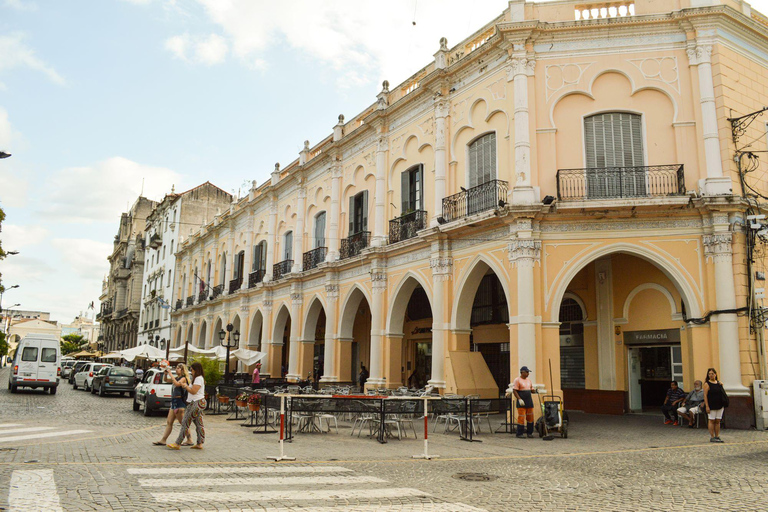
x,y
195,407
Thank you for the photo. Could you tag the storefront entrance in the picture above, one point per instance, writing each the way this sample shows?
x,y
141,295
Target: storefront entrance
x,y
654,359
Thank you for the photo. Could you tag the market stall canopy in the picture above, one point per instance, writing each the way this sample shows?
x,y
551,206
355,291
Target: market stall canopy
x,y
84,353
143,352
248,357
113,355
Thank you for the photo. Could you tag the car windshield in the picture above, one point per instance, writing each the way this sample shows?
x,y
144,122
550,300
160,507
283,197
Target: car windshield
x,y
98,367
121,372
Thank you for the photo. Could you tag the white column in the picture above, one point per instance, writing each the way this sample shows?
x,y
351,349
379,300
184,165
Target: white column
x,y
330,372
441,111
248,260
379,282
442,271
524,253
295,339
379,215
715,183
606,346
718,247
333,219
271,238
298,234
266,341
519,69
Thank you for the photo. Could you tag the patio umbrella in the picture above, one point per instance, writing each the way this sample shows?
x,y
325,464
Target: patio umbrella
x,y
113,355
249,357
143,352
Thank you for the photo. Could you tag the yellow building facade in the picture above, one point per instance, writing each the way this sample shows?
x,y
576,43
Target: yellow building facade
x,y
557,191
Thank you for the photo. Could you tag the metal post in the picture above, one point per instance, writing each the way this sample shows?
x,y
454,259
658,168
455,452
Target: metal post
x,y
282,455
426,454
381,423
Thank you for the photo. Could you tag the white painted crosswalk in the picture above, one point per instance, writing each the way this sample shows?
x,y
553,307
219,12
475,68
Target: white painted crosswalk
x,y
27,433
312,488
33,490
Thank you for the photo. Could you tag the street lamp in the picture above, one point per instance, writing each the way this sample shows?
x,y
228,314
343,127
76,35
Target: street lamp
x,y
156,343
3,154
230,337
2,292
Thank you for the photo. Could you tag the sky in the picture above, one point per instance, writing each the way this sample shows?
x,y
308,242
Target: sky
x,y
103,99
99,98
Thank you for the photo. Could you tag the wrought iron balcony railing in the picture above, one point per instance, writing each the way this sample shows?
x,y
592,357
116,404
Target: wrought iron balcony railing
x,y
406,226
255,277
488,196
620,182
190,300
354,244
314,257
121,313
217,290
202,296
235,284
281,269
179,303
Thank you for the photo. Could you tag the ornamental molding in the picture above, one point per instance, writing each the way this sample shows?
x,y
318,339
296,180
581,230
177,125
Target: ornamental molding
x,y
382,144
517,66
442,107
409,257
622,225
524,252
718,247
332,292
442,268
485,236
297,298
659,69
378,280
560,76
354,272
699,54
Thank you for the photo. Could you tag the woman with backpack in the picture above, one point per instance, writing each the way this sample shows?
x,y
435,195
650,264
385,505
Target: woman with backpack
x,y
715,401
195,406
178,404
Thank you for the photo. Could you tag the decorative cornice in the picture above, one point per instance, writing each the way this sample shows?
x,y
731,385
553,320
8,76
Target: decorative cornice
x,y
378,280
718,247
700,54
332,292
442,268
524,252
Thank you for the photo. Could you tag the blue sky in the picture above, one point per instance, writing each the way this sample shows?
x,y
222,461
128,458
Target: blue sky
x,y
97,96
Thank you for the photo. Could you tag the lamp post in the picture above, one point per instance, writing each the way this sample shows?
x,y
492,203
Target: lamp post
x,y
230,337
2,291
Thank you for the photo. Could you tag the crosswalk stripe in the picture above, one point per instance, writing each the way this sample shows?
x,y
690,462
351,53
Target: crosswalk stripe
x,y
412,507
42,435
5,425
237,469
288,495
33,490
25,429
280,480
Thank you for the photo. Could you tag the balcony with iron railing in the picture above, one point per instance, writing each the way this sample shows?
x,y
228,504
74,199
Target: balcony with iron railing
x,y
282,269
121,313
407,225
354,244
202,296
235,284
314,257
179,303
488,196
217,291
190,301
620,182
255,277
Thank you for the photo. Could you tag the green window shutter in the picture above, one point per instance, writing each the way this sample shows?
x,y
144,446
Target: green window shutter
x,y
405,190
364,227
351,216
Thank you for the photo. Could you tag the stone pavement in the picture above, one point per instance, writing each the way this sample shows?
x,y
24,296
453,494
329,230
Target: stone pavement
x,y
607,463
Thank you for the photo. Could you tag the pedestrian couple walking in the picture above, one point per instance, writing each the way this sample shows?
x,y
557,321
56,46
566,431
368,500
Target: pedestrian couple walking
x,y
194,387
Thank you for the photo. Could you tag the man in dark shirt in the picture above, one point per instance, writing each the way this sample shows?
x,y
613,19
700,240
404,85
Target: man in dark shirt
x,y
675,395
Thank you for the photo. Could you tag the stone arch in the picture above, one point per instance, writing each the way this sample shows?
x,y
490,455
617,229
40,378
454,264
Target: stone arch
x,y
316,305
675,314
675,275
577,299
281,319
399,304
256,329
467,288
349,308
217,326
202,334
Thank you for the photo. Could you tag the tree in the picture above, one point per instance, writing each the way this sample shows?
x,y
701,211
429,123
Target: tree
x,y
3,345
72,343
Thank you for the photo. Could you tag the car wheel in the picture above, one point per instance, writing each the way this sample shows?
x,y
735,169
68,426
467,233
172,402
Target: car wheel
x,y
12,388
85,386
131,394
136,406
53,390
74,385
147,411
101,391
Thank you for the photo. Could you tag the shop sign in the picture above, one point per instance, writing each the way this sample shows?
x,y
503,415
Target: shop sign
x,y
657,337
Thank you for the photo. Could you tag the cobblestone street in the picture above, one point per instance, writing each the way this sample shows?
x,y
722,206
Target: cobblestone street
x,y
76,451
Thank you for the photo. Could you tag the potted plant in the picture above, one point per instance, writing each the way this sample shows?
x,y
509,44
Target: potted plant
x,y
254,402
241,400
223,399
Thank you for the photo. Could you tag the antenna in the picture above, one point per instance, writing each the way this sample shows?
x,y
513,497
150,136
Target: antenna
x,y
142,187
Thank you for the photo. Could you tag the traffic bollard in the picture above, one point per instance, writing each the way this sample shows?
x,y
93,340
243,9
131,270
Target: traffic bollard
x,y
426,454
282,433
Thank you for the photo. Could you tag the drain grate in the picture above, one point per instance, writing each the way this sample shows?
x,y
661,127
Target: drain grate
x,y
475,477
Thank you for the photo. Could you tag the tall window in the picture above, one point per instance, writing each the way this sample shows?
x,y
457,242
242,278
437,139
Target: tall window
x,y
358,213
239,262
223,278
412,189
614,148
571,345
490,304
288,246
320,230
482,160
260,256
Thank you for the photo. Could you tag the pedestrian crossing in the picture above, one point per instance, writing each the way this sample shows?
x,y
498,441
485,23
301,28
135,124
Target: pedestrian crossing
x,y
310,488
14,432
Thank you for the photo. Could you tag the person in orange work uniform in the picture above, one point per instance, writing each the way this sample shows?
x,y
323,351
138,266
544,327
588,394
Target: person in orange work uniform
x,y
522,388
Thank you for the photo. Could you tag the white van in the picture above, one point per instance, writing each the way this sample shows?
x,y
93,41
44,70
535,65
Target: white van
x,y
37,363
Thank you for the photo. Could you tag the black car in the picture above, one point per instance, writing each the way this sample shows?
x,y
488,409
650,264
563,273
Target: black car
x,y
76,369
114,379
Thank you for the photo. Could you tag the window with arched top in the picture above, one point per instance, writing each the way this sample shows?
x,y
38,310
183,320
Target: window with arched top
x,y
320,230
571,344
482,160
288,245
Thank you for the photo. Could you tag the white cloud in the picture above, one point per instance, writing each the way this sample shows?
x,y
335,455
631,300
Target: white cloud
x,y
86,258
20,5
209,50
16,54
16,237
100,192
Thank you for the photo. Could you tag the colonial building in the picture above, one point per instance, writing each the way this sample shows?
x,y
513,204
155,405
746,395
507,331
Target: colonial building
x,y
170,221
83,326
121,290
558,191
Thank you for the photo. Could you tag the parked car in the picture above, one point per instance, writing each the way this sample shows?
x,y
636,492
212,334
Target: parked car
x,y
153,392
66,367
79,365
85,376
114,379
36,363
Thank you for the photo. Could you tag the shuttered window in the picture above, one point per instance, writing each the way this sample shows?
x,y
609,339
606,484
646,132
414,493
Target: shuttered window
x,y
412,189
320,230
482,160
358,213
614,155
288,251
260,256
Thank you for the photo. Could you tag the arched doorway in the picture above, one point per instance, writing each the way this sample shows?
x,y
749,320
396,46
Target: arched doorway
x,y
255,332
313,346
202,335
217,327
281,337
410,319
354,336
621,326
234,363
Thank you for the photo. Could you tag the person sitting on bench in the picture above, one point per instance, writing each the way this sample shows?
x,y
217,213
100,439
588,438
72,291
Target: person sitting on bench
x,y
675,395
690,406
